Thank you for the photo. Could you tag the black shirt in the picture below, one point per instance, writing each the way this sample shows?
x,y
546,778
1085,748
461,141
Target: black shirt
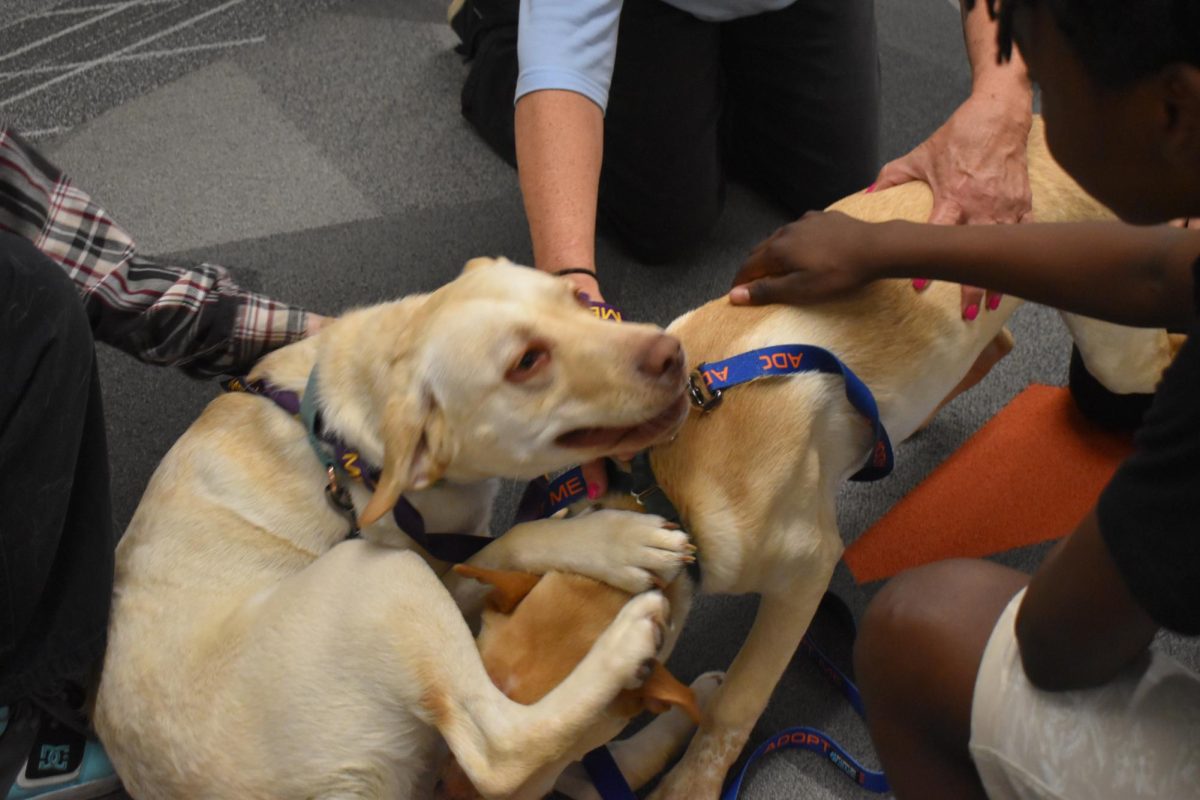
x,y
1149,514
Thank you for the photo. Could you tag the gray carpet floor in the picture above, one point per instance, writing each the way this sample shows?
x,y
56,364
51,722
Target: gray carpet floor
x,y
316,148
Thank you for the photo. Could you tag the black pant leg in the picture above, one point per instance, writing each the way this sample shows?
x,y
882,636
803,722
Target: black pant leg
x,y
662,181
56,530
489,39
802,115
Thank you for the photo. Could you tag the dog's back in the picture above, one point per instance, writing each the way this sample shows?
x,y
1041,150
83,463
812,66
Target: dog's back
x,y
757,478
798,438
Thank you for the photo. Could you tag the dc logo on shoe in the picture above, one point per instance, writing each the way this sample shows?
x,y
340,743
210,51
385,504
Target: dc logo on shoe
x,y
54,758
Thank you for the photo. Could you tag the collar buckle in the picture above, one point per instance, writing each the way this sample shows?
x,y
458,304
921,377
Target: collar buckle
x,y
339,497
702,397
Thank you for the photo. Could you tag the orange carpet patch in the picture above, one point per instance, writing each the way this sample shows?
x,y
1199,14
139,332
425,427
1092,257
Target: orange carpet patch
x,y
1030,474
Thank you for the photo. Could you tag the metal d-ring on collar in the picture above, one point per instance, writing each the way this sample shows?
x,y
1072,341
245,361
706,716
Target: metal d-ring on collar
x,y
703,398
305,410
342,461
337,494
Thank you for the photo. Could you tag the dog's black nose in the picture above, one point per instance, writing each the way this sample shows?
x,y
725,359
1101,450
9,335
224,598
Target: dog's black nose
x,y
662,357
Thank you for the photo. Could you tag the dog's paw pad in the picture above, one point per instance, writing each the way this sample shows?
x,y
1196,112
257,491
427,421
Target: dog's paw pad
x,y
636,636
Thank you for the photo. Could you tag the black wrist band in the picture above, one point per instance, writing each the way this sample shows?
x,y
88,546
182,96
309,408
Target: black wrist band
x,y
576,271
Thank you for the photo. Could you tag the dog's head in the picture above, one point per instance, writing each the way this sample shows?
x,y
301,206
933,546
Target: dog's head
x,y
536,629
504,372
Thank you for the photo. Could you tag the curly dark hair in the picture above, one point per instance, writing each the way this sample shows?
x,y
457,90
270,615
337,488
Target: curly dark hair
x,y
1118,41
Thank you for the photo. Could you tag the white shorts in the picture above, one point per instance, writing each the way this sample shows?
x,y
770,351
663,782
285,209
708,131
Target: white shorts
x,y
1138,736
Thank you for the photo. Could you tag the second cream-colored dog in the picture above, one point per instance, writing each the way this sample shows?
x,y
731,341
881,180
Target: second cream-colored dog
x,y
756,479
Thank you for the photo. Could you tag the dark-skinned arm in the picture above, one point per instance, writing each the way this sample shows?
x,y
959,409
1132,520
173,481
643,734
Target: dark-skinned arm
x,y
1126,274
1078,625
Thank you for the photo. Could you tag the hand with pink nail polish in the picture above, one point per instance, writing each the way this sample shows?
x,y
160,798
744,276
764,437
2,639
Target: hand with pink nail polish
x,y
974,299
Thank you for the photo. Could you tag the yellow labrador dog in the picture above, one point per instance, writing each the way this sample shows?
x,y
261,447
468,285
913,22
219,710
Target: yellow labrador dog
x,y
756,479
254,652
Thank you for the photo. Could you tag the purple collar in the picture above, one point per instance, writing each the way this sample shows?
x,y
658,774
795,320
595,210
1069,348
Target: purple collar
x,y
451,547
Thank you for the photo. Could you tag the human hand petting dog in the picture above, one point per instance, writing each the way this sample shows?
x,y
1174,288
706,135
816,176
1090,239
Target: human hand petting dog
x,y
819,256
976,168
825,254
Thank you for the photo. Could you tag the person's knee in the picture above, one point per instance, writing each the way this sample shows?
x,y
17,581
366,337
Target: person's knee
x,y
923,616
45,297
665,234
813,188
900,609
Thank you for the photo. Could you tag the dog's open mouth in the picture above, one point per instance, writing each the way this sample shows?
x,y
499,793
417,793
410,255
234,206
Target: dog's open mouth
x,y
633,437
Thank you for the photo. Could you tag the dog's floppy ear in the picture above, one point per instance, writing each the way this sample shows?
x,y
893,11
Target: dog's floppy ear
x,y
662,690
413,452
483,261
508,588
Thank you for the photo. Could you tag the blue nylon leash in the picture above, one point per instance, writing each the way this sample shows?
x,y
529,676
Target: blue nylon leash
x,y
606,776
817,741
611,784
790,359
544,497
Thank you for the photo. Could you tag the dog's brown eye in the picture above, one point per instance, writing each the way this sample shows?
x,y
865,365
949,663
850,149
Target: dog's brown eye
x,y
535,357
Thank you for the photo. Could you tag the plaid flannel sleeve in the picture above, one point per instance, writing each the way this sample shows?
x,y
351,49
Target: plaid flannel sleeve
x,y
192,317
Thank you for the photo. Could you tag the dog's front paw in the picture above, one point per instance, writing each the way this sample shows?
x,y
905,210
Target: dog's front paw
x,y
634,551
634,638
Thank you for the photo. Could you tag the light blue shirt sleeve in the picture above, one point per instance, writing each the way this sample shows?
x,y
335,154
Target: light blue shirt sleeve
x,y
567,44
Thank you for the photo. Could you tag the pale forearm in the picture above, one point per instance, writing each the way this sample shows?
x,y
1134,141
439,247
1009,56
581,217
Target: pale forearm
x,y
1121,273
559,137
1008,82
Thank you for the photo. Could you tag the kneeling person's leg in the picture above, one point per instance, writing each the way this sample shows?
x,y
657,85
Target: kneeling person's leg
x,y
661,184
916,659
56,538
57,541
802,119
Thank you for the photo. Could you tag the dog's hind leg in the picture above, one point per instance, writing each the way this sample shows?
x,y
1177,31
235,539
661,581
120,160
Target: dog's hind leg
x,y
646,753
1125,360
782,619
991,355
